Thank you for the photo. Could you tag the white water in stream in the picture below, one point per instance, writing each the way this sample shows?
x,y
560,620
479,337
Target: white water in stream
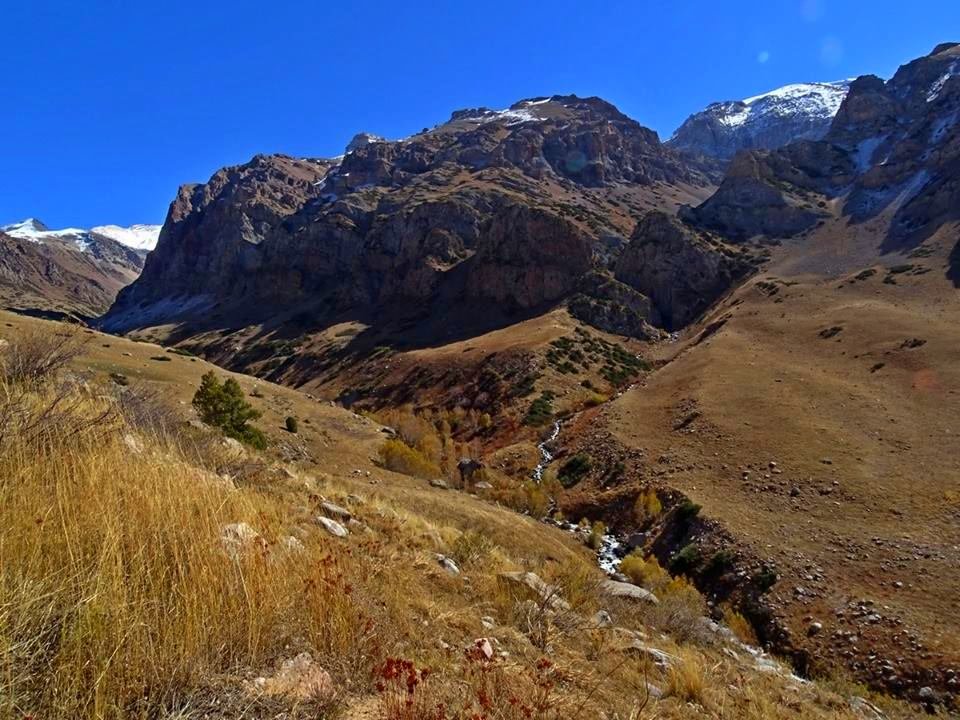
x,y
611,547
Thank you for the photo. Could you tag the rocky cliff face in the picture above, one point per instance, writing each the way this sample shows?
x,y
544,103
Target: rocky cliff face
x,y
509,207
681,269
766,122
893,150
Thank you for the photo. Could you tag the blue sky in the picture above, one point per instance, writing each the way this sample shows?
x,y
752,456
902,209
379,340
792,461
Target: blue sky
x,y
109,105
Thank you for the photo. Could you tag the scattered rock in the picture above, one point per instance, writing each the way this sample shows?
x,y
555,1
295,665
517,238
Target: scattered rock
x,y
627,590
541,590
292,545
237,538
866,709
332,526
482,647
438,483
299,678
660,658
336,511
602,619
483,485
447,564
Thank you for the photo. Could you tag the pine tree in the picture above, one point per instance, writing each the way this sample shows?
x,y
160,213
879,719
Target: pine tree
x,y
223,405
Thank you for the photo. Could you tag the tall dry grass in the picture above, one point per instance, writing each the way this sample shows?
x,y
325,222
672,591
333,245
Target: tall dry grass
x,y
117,594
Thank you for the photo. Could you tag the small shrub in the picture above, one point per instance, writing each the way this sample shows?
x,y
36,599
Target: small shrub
x,y
645,572
396,455
222,405
740,626
680,612
687,511
471,548
596,399
574,469
291,424
541,410
720,563
647,506
685,560
686,680
160,358
595,538
34,358
765,579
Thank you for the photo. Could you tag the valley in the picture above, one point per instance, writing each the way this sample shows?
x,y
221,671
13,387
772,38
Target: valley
x,y
527,341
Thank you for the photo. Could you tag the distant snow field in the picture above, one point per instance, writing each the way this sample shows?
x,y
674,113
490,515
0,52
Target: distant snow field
x,y
138,237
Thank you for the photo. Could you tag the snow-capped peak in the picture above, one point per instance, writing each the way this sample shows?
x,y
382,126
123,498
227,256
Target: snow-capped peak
x,y
768,120
812,100
138,237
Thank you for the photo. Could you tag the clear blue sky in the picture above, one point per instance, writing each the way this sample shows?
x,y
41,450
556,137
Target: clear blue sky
x,y
109,105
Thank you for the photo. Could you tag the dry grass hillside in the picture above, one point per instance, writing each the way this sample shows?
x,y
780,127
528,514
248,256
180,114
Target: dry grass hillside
x,y
150,570
813,414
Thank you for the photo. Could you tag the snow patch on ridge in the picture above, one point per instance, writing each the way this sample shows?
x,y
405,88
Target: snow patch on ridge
x,y
815,100
138,237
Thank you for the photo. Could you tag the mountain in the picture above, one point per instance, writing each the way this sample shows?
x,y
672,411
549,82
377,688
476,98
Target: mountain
x,y
576,301
72,270
512,208
801,111
888,168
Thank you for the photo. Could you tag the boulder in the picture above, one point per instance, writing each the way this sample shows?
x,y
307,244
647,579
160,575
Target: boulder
x,y
628,591
341,513
532,585
332,526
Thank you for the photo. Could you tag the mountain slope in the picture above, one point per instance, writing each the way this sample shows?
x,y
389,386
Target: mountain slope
x,y
802,111
809,411
74,271
213,575
513,208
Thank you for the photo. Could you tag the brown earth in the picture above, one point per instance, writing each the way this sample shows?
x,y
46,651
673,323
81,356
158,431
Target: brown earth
x,y
811,415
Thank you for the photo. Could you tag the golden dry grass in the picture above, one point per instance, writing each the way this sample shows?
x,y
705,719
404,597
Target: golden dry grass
x,y
119,597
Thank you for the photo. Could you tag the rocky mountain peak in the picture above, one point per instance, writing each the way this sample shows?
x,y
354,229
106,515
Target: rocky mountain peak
x,y
801,111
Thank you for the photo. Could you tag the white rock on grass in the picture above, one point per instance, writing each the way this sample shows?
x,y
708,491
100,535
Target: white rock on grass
x,y
299,678
447,564
332,526
627,590
237,538
539,588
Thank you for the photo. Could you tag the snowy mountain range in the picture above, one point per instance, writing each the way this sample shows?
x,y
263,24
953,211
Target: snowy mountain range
x,y
136,237
801,111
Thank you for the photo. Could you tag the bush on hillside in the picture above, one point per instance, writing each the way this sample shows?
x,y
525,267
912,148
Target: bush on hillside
x,y
222,405
396,455
292,425
35,357
574,469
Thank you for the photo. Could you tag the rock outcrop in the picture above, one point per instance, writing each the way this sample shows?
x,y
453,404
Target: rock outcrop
x,y
510,208
681,269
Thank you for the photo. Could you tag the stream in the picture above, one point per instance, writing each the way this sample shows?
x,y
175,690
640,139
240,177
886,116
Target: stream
x,y
611,549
